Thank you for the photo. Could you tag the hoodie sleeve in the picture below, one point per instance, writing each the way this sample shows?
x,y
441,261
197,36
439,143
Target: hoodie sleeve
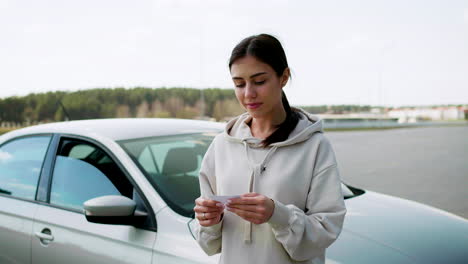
x,y
305,235
209,238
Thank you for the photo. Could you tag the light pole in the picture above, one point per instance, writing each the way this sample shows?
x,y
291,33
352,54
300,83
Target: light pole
x,y
200,68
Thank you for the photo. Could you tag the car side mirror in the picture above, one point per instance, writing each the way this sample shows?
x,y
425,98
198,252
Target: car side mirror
x,y
113,210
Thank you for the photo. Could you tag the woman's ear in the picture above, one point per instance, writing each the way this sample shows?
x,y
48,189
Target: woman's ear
x,y
285,77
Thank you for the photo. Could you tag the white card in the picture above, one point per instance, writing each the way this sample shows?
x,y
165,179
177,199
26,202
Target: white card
x,y
223,198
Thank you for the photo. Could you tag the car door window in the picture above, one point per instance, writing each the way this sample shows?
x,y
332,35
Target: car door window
x,y
84,171
20,165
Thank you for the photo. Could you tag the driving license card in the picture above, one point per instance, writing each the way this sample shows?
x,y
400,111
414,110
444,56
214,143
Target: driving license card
x,y
223,198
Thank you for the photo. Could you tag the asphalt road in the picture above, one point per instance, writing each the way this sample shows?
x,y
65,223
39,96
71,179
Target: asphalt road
x,y
427,165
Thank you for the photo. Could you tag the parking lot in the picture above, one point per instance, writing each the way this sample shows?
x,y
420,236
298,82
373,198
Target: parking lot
x,y
428,165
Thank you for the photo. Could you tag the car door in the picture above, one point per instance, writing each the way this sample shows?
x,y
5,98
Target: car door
x,y
84,170
21,161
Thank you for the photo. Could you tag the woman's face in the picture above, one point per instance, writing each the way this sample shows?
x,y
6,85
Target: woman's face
x,y
258,88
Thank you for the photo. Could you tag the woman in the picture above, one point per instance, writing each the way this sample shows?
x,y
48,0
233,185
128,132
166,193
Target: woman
x,y
276,158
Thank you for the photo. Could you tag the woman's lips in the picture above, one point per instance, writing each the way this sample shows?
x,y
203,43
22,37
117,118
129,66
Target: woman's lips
x,y
254,105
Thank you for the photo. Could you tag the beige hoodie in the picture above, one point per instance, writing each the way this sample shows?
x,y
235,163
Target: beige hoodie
x,y
299,174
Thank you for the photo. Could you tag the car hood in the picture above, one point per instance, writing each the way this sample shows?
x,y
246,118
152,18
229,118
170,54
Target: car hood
x,y
421,233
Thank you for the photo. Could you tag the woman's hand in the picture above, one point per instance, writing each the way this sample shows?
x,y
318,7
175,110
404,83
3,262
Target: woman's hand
x,y
253,207
208,212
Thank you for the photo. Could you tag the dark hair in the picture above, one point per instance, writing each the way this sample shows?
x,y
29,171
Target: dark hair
x,y
268,49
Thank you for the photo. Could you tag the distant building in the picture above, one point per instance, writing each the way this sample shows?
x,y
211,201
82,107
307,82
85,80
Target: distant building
x,y
414,114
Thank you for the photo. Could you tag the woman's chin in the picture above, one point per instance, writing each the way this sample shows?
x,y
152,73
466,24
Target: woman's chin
x,y
255,113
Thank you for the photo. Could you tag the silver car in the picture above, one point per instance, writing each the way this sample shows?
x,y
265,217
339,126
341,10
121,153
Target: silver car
x,y
123,190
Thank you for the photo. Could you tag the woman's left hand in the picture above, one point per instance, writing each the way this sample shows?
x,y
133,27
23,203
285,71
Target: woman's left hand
x,y
253,207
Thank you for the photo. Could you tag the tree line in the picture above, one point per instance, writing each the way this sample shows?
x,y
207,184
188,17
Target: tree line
x,y
190,103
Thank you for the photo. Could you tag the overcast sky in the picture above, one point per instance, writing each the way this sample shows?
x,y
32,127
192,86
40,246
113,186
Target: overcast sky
x,y
394,52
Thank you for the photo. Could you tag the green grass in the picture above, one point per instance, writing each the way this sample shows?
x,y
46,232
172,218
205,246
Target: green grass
x,y
4,130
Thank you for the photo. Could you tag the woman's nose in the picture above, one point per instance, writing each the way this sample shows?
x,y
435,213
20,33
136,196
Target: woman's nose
x,y
250,91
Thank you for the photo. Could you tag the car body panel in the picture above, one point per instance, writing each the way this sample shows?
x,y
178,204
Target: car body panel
x,y
16,221
183,248
352,248
78,241
423,233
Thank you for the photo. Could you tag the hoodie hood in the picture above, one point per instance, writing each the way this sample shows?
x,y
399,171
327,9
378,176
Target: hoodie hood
x,y
237,130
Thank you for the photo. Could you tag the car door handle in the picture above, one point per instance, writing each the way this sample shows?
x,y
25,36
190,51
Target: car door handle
x,y
45,235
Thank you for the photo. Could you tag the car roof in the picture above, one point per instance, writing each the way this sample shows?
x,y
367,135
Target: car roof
x,y
122,128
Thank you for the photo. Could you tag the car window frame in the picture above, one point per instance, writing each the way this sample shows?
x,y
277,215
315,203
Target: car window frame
x,y
44,163
45,180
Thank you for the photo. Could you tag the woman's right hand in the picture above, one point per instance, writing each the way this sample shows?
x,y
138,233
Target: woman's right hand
x,y
208,212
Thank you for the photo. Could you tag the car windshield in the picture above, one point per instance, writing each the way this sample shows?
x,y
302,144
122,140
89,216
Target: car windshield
x,y
172,164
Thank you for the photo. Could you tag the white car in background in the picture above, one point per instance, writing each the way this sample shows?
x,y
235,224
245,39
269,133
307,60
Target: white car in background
x,y
123,190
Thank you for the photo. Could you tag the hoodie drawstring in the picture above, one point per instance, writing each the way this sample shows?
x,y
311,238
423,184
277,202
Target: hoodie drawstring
x,y
257,170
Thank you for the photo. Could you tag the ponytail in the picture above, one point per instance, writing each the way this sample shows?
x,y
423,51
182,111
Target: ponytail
x,y
285,128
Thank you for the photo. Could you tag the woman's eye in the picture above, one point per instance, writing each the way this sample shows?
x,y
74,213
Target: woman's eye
x,y
239,85
260,82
